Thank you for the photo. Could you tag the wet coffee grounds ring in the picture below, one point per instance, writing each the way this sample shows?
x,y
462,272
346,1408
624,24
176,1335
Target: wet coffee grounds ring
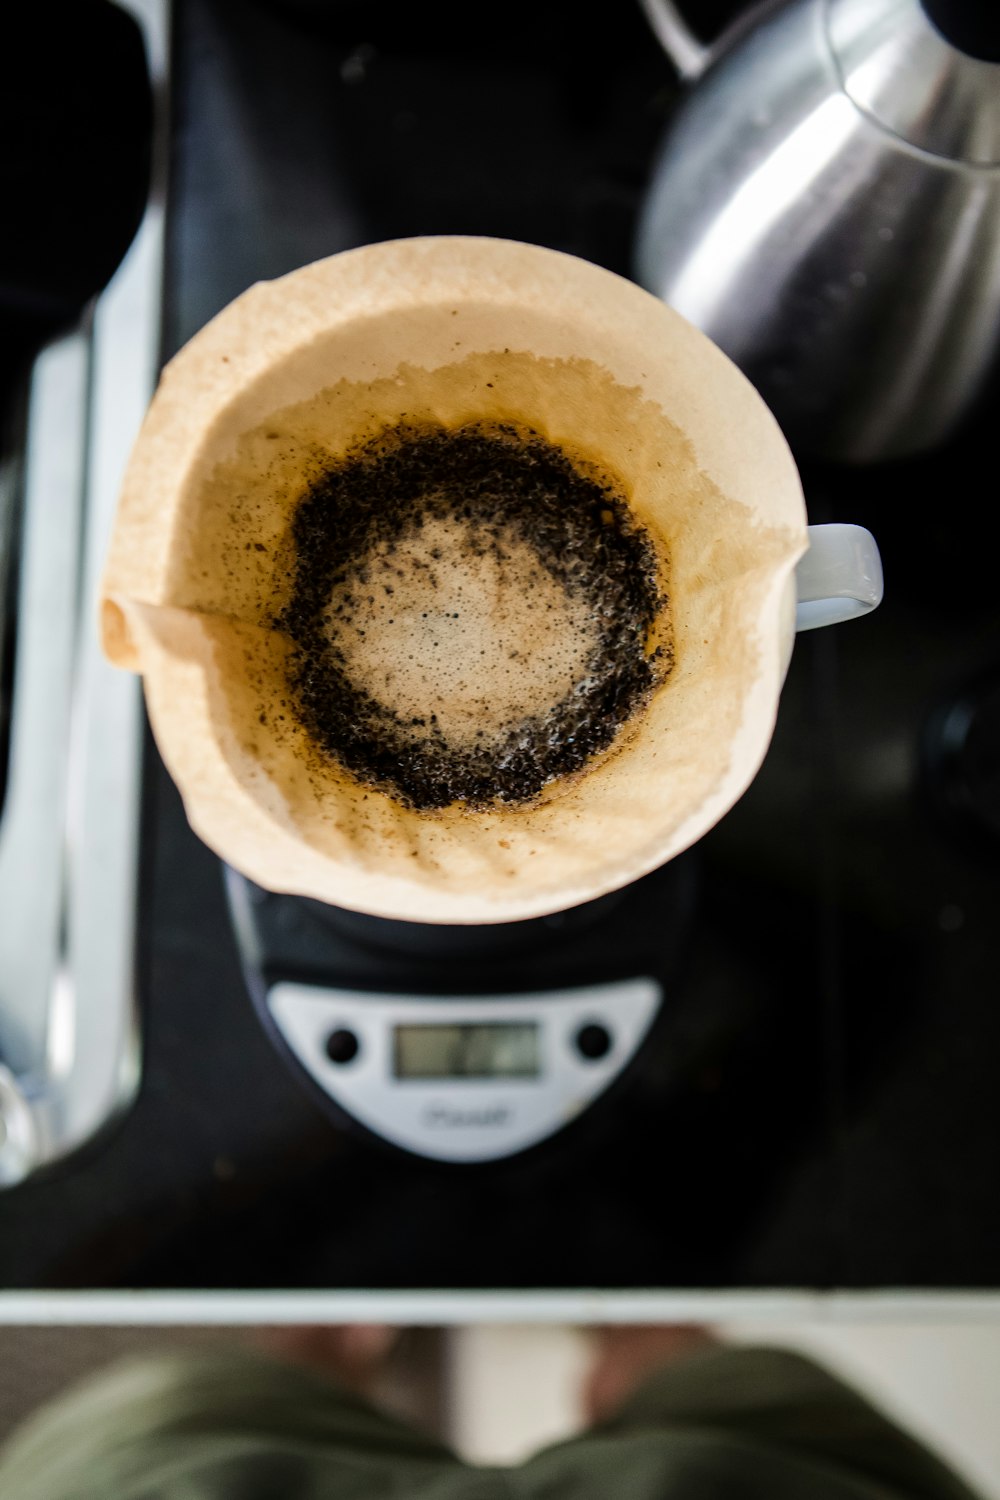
x,y
471,614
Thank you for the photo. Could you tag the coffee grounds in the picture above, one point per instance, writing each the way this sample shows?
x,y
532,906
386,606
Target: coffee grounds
x,y
412,514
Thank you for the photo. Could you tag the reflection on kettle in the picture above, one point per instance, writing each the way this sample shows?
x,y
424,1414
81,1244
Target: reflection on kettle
x,y
826,207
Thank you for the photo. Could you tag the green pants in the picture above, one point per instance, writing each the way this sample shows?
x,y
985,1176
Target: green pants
x,y
726,1424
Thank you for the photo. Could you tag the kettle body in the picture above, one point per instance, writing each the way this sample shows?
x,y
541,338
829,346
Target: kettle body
x,y
826,207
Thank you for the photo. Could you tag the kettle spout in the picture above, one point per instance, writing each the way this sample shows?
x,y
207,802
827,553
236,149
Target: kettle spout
x,y
689,55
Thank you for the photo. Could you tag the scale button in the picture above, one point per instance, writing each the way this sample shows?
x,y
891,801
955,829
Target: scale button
x,y
342,1046
593,1041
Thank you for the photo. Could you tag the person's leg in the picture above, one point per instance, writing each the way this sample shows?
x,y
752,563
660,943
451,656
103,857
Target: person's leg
x,y
625,1354
226,1426
775,1399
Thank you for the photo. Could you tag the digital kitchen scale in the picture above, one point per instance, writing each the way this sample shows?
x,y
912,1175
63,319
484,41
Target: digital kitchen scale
x,y
462,1044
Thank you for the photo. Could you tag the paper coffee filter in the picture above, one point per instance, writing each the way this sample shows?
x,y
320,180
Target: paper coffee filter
x,y
299,371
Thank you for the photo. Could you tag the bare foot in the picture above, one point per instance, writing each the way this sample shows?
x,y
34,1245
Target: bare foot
x,y
627,1353
353,1353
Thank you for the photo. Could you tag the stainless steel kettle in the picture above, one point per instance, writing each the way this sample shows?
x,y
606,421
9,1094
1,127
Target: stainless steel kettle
x,y
826,207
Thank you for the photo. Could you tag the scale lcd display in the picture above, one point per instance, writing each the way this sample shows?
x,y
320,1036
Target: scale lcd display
x,y
487,1049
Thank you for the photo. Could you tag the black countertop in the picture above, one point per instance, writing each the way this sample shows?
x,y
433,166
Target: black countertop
x,y
820,1109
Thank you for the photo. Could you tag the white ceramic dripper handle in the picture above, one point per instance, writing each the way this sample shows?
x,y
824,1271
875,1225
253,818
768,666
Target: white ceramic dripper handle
x,y
839,578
